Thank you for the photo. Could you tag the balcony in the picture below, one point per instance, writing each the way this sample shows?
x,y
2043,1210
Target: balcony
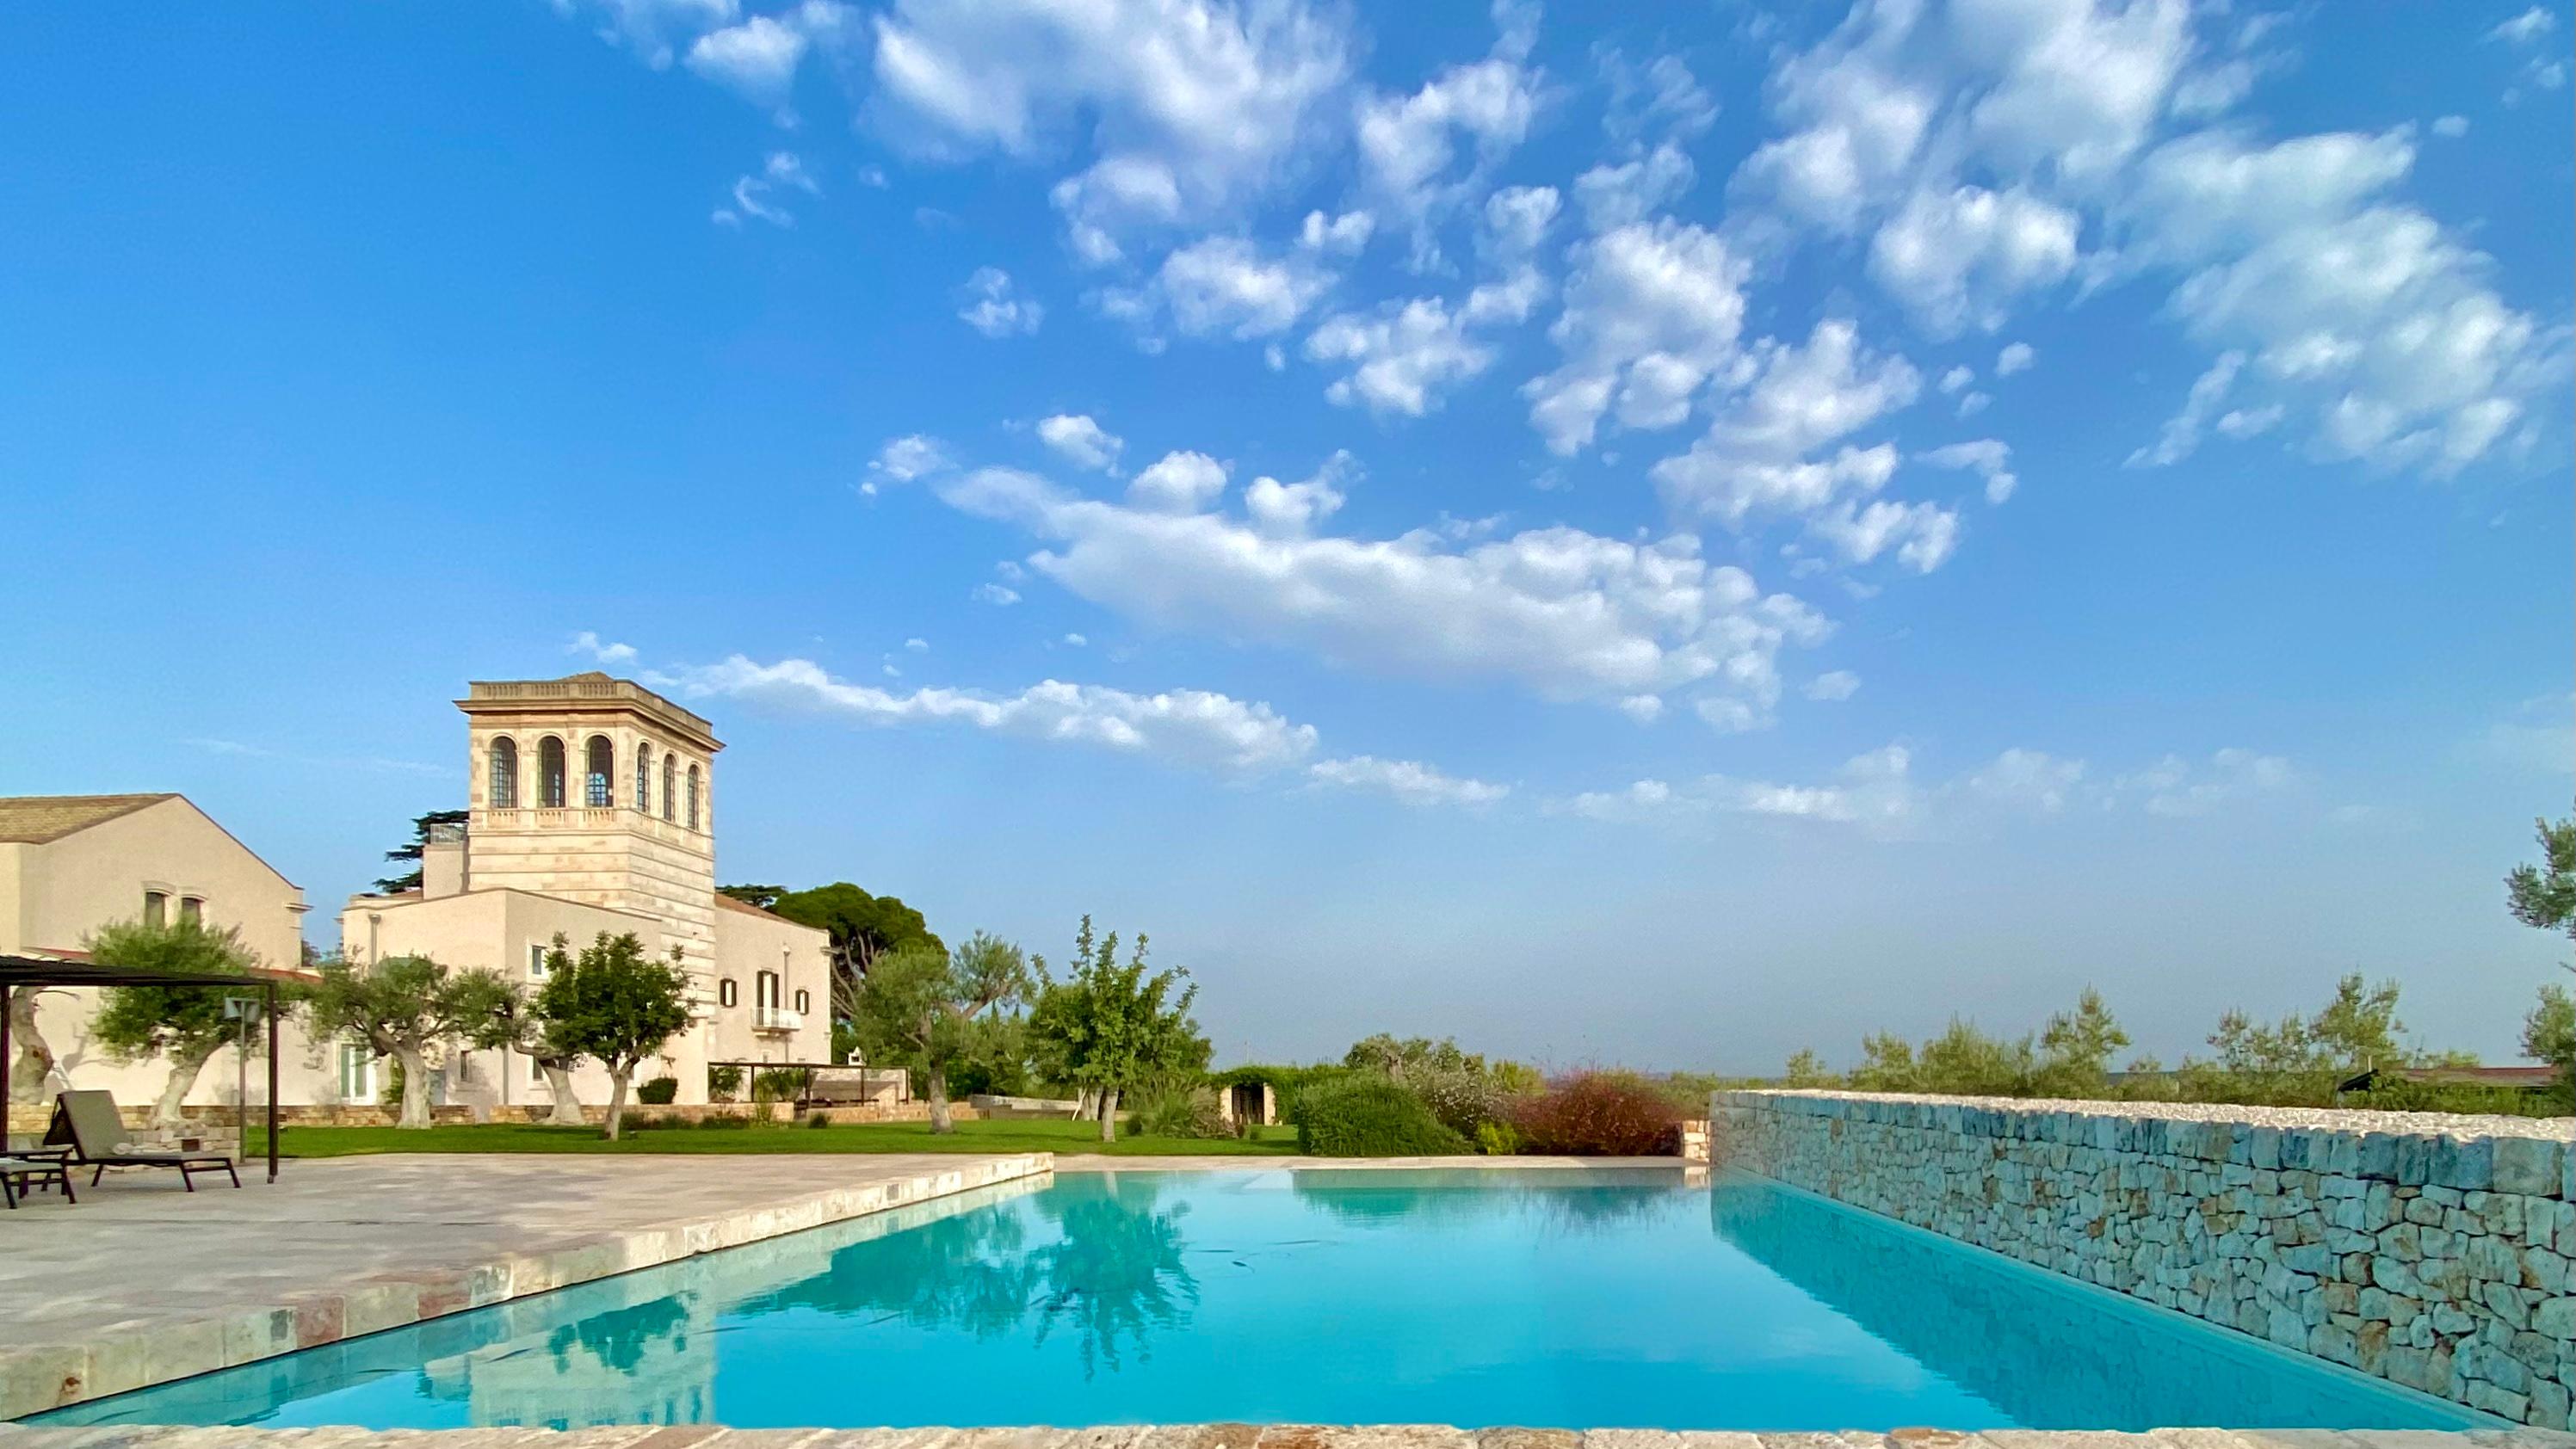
x,y
776,1018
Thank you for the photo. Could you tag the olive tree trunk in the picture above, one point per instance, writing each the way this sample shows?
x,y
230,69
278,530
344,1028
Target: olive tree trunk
x,y
1109,1114
185,1064
941,1122
566,1111
31,1074
617,1098
415,1097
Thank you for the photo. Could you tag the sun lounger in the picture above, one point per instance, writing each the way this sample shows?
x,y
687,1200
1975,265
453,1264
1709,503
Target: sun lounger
x,y
20,1175
89,1123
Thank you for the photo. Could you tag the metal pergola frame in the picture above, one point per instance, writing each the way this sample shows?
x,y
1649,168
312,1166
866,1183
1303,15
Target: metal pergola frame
x,y
806,1071
43,971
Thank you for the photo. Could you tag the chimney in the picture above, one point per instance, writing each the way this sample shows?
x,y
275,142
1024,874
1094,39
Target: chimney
x,y
442,862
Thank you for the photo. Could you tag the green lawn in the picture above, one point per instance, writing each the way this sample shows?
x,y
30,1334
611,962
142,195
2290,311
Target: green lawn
x,y
1033,1135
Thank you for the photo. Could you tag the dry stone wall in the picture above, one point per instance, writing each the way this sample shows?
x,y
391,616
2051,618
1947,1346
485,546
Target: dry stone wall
x,y
2436,1252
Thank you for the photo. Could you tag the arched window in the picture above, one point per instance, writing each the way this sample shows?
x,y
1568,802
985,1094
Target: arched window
x,y
726,994
504,794
644,779
550,773
693,797
670,784
598,786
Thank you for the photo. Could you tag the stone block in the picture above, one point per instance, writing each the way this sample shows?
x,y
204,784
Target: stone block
x,y
2528,1166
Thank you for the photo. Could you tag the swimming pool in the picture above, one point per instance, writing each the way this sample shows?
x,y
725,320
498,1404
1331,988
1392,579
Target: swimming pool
x,y
1632,1297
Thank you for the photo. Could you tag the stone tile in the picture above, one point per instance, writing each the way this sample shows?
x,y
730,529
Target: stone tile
x,y
1528,1439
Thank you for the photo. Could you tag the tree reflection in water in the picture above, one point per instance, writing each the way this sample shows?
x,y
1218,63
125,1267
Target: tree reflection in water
x,y
1116,1274
621,1338
1112,1274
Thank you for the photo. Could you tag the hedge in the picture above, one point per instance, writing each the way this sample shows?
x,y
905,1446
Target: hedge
x,y
1370,1117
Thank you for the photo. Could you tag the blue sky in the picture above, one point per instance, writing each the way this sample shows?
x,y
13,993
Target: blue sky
x,y
1663,541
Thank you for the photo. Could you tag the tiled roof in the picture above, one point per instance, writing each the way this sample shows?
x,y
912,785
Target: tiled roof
x,y
747,908
36,819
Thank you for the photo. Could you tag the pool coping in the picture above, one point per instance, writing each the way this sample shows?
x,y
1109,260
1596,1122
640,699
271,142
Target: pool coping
x,y
124,1357
1258,1436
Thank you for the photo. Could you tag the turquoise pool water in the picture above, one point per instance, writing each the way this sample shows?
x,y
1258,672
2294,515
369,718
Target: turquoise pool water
x,y
1631,1298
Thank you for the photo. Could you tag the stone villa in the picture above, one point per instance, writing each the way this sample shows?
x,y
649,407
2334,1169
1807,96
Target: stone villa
x,y
591,808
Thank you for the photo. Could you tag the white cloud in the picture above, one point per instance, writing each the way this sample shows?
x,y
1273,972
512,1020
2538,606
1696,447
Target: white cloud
x,y
2450,128
994,309
1179,482
1077,641
1406,355
1571,615
1631,191
2524,28
753,195
2031,780
1224,284
1990,457
756,59
2175,786
1189,109
1345,235
1409,145
1651,312
1517,219
901,460
1922,535
1081,442
1001,596
1184,726
1406,780
1961,257
1971,404
1664,96
2181,435
1873,792
2015,357
1291,510
2368,316
588,642
1758,454
917,646
651,28
1833,686
1956,378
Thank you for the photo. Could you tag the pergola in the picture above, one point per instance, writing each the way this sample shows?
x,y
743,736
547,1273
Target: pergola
x,y
17,971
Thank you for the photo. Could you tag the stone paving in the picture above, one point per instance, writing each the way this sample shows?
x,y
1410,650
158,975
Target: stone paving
x,y
140,1282
1256,1436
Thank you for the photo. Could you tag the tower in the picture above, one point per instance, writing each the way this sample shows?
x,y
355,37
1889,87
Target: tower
x,y
597,790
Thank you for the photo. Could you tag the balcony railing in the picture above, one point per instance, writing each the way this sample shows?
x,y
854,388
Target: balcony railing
x,y
776,1018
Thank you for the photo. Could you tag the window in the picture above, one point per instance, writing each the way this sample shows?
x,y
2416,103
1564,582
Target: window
x,y
504,791
764,989
693,797
536,961
550,773
598,784
644,779
192,910
670,785
357,1074
804,1002
156,908
726,995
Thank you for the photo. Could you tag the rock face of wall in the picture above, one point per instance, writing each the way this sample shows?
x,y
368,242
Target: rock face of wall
x,y
2439,1253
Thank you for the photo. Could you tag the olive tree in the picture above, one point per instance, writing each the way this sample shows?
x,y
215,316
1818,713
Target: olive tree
x,y
516,1025
918,1006
408,1008
1109,1025
2543,897
615,1005
185,1024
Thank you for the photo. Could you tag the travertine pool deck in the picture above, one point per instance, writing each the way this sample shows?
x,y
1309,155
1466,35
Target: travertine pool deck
x,y
140,1282
1256,1436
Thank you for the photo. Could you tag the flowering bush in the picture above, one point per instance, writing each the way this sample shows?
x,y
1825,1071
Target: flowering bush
x,y
1599,1114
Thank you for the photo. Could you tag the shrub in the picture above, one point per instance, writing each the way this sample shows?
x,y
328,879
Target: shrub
x,y
779,1085
723,1082
1600,1114
1497,1139
819,1119
659,1092
1462,1095
1369,1116
723,1120
1177,1111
